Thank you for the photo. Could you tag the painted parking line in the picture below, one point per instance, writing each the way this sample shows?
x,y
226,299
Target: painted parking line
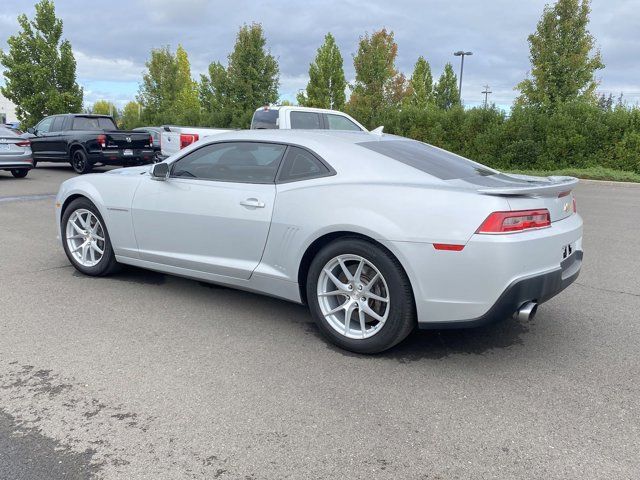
x,y
26,198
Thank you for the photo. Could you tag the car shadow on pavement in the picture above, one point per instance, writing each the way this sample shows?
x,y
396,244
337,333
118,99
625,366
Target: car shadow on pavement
x,y
419,345
437,344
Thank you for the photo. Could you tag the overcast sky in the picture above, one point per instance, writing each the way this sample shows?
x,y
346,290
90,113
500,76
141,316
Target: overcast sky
x,y
112,40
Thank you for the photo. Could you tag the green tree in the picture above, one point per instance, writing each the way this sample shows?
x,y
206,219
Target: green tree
x,y
231,95
563,63
326,78
168,94
213,92
131,116
421,84
446,90
104,107
40,69
187,103
377,83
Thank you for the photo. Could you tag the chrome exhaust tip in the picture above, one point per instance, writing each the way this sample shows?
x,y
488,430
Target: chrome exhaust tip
x,y
527,311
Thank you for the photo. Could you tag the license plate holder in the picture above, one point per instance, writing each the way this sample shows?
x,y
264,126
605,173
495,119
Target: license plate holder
x,y
127,153
4,147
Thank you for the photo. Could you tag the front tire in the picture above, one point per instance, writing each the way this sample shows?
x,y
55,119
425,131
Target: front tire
x,y
19,172
86,240
80,162
360,296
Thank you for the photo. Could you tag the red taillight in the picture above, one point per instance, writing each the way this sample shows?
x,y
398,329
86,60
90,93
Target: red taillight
x,y
23,143
448,246
575,206
516,221
187,139
151,141
102,141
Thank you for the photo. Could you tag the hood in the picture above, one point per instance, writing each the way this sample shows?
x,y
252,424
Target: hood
x,y
130,170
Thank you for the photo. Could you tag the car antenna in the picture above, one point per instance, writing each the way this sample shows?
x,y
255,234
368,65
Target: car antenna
x,y
378,131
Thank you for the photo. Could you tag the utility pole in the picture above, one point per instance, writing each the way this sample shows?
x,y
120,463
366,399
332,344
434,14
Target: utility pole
x,y
461,53
486,92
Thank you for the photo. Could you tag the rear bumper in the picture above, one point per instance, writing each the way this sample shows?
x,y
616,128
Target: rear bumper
x,y
538,289
117,157
491,275
16,165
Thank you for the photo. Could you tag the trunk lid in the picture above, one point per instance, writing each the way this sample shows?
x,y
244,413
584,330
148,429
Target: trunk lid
x,y
524,192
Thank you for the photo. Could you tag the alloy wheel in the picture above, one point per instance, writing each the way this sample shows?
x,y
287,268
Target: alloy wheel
x,y
353,296
85,237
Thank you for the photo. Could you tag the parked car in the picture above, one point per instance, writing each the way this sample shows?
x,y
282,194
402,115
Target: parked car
x,y
86,140
15,153
292,117
375,233
156,134
268,117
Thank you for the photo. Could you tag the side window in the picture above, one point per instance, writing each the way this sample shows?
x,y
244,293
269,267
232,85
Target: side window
x,y
45,125
338,122
241,162
56,126
299,164
305,120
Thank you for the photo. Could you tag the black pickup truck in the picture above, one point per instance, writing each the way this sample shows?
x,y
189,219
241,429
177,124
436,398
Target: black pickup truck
x,y
85,140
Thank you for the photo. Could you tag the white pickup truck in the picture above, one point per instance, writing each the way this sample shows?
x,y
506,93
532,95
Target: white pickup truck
x,y
275,117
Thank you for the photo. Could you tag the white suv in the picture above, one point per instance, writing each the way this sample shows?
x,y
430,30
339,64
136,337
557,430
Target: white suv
x,y
289,117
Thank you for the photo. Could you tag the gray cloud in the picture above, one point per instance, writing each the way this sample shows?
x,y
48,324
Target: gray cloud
x,y
112,42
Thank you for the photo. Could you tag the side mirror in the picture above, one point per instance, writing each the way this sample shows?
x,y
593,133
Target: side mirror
x,y
160,171
31,130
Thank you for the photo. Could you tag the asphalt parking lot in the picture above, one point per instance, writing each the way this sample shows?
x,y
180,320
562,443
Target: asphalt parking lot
x,y
143,375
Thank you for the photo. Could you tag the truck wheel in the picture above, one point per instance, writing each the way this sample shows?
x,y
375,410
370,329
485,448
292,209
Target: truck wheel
x,y
80,162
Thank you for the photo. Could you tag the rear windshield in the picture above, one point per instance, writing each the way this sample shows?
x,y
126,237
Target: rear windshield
x,y
93,123
426,158
265,119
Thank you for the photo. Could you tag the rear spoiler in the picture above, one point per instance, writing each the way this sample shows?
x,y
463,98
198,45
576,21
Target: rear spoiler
x,y
539,186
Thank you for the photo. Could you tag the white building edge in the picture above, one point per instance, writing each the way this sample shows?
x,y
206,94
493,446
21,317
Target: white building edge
x,y
7,111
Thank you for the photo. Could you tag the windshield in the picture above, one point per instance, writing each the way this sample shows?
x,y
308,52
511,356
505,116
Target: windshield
x,y
264,119
93,123
429,159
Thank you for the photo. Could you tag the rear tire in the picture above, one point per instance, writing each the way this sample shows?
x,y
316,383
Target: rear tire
x,y
19,172
80,162
369,307
84,236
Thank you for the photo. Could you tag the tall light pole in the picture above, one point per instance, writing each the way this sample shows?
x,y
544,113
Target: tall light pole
x,y
461,53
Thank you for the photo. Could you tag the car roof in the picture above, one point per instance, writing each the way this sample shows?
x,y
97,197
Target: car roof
x,y
303,136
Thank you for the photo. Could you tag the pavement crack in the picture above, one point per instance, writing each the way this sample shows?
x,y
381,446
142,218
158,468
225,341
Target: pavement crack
x,y
609,290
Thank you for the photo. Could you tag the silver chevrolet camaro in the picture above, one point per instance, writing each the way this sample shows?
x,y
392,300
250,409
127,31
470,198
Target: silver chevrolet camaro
x,y
375,233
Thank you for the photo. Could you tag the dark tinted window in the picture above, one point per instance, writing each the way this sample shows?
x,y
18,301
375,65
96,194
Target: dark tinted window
x,y
299,164
305,120
338,122
434,161
265,119
56,126
45,125
93,123
244,162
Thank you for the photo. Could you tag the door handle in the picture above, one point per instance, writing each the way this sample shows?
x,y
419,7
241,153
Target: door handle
x,y
252,202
